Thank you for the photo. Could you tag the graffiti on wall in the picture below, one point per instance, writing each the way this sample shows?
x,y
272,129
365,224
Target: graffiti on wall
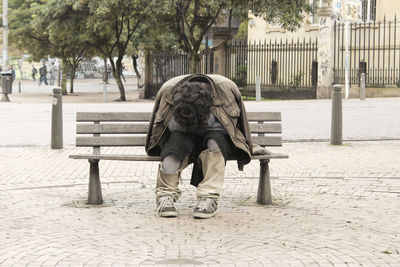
x,y
90,69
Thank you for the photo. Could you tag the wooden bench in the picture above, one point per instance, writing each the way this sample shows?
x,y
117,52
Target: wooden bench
x,y
119,129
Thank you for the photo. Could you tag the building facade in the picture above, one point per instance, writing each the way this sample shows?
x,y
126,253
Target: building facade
x,y
351,36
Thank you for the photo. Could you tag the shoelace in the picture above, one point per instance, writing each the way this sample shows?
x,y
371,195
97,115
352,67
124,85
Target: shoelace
x,y
205,204
164,202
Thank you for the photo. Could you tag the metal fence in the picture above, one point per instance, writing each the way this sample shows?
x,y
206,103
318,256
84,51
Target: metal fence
x,y
373,47
287,69
169,65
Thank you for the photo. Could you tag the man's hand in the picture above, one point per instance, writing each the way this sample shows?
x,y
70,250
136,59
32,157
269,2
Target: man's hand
x,y
258,150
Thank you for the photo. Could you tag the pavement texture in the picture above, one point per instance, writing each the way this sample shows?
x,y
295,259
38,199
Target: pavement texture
x,y
333,205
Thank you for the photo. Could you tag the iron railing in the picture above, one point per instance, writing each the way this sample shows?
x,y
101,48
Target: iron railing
x,y
374,48
172,64
287,69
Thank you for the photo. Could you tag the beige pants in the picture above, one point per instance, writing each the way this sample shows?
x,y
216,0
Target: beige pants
x,y
213,165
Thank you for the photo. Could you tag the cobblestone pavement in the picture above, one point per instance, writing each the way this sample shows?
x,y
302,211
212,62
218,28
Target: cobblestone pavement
x,y
333,206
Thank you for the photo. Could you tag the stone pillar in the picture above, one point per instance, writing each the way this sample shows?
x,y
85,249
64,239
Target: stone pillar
x,y
146,70
325,52
220,54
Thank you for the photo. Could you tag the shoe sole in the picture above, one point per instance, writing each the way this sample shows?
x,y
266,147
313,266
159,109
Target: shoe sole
x,y
169,214
201,215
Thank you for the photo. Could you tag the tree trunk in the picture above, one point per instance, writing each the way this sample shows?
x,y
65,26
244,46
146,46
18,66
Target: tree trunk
x,y
134,63
117,75
64,77
105,74
71,79
194,60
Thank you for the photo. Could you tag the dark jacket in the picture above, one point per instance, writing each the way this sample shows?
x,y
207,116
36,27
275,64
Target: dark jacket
x,y
227,107
43,70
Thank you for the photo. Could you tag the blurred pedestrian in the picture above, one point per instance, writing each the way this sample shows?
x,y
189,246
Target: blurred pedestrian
x,y
34,72
109,72
52,73
43,74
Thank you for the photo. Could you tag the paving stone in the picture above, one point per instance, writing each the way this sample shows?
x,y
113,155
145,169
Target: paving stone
x,y
333,205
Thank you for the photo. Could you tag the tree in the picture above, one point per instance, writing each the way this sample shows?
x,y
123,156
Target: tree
x,y
50,29
193,18
26,30
66,27
111,26
162,37
287,13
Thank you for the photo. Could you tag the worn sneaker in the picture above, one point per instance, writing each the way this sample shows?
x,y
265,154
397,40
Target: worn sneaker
x,y
166,207
205,208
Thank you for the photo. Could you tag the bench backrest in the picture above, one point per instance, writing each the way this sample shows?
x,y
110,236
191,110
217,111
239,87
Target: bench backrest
x,y
130,128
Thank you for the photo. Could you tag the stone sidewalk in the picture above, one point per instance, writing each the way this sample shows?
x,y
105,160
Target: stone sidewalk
x,y
333,206
302,120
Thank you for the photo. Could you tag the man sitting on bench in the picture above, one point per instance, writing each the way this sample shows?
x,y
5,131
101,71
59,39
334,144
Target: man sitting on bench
x,y
197,119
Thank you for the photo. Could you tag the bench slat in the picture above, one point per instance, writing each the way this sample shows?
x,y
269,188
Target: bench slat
x,y
124,128
145,116
267,140
111,141
263,116
112,116
266,128
150,158
112,128
140,141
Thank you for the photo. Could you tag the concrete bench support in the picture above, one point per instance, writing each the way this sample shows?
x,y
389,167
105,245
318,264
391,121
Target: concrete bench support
x,y
264,195
94,197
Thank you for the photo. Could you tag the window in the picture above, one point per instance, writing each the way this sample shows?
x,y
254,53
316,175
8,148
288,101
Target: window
x,y
368,10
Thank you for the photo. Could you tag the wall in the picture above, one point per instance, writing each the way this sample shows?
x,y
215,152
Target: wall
x,y
260,30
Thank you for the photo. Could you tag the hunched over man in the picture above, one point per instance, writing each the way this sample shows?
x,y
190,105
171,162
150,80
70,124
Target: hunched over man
x,y
199,119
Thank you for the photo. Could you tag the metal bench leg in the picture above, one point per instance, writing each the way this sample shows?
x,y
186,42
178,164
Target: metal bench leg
x,y
95,197
264,187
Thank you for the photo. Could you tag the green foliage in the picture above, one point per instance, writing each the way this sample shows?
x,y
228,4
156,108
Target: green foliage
x,y
243,30
194,18
27,32
240,75
112,24
287,13
296,81
49,28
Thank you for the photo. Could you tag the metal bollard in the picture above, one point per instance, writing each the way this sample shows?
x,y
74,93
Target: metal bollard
x,y
258,89
19,86
362,87
336,130
105,92
56,120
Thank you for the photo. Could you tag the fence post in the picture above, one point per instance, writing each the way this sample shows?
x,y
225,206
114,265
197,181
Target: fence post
x,y
56,120
274,71
336,126
220,54
362,86
146,75
325,52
